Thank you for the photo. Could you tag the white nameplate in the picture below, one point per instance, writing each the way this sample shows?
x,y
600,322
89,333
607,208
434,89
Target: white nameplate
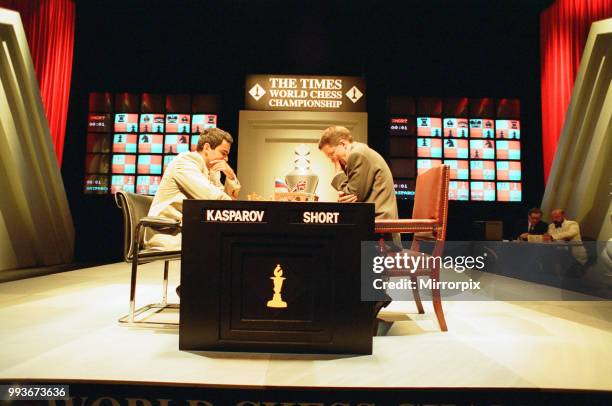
x,y
234,216
320,217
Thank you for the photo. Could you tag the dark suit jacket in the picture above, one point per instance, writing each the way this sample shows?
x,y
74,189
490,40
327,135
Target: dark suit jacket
x,y
538,229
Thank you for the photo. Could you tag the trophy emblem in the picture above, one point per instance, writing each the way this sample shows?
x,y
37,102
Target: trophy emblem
x,y
278,279
302,178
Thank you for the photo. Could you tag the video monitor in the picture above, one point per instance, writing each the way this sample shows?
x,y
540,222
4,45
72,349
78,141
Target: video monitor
x,y
508,170
482,170
424,165
151,143
152,123
150,164
483,191
455,127
401,126
508,149
402,146
508,129
482,149
147,185
96,184
99,123
458,169
125,183
509,191
429,147
458,190
126,123
482,128
456,148
167,160
429,127
98,143
125,143
402,167
176,143
404,189
96,163
194,142
124,163
178,123
202,121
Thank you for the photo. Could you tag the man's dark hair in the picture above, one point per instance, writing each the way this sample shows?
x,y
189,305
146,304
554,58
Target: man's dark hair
x,y
535,210
213,137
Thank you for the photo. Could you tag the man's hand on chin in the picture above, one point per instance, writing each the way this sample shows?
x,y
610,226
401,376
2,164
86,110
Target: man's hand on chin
x,y
222,166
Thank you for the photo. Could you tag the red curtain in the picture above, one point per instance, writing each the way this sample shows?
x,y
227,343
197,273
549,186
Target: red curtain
x,y
564,28
49,27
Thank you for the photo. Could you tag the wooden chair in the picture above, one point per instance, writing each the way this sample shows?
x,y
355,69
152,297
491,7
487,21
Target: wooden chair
x,y
428,223
135,208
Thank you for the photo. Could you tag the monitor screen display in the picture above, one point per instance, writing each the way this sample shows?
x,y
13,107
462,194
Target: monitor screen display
x,y
404,189
484,191
508,129
480,140
458,190
429,126
456,148
429,147
458,169
126,143
202,121
131,138
124,163
508,149
125,183
482,170
482,128
99,123
456,127
150,164
482,149
176,143
508,170
151,143
126,123
96,184
147,185
509,191
152,123
178,123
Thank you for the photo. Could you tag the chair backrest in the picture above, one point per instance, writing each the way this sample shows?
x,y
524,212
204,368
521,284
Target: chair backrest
x,y
134,207
431,198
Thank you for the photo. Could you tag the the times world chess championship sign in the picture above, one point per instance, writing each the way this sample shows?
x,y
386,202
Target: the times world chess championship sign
x,y
305,93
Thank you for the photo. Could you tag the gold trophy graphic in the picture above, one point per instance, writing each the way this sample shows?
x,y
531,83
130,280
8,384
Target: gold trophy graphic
x,y
278,279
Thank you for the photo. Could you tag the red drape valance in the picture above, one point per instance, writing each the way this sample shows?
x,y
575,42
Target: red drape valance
x,y
564,28
49,27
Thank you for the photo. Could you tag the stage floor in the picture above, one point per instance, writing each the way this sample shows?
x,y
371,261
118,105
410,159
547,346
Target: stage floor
x,y
64,326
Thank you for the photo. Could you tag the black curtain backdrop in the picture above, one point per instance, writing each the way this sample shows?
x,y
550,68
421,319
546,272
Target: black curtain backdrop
x,y
440,48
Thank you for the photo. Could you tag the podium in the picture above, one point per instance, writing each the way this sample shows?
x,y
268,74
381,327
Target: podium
x,y
274,277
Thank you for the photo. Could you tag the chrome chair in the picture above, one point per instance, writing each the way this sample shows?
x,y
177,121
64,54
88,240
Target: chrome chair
x,y
428,223
135,220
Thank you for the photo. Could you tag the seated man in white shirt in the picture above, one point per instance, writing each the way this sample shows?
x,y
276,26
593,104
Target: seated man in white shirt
x,y
193,175
562,229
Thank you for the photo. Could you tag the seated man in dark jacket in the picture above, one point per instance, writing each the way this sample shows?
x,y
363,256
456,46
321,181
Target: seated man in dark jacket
x,y
533,226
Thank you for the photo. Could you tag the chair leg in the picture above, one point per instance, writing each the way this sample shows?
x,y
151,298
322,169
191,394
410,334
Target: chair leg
x,y
165,291
437,304
133,290
417,295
